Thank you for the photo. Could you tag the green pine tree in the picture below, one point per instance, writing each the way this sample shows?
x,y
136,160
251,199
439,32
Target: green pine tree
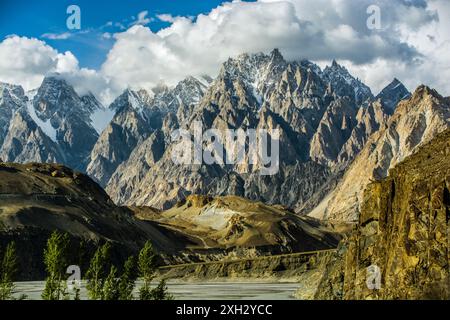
x,y
146,267
8,270
97,272
111,286
55,260
127,280
161,292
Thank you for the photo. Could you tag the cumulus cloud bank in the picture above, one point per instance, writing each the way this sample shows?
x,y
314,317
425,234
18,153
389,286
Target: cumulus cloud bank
x,y
412,44
24,61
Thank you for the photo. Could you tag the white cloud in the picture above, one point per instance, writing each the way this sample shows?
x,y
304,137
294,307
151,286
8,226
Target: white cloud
x,y
432,41
87,80
25,61
142,19
57,36
319,30
166,17
107,35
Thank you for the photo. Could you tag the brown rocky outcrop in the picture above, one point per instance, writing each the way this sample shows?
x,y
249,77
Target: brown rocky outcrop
x,y
403,229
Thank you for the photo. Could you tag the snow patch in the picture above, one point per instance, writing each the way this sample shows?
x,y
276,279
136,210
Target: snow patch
x,y
215,218
205,82
397,85
136,103
45,126
31,94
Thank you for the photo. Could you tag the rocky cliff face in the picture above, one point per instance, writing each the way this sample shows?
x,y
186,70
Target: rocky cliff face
x,y
131,124
68,117
21,138
403,229
368,121
392,94
26,141
59,116
131,172
334,130
12,98
415,122
137,116
322,121
346,85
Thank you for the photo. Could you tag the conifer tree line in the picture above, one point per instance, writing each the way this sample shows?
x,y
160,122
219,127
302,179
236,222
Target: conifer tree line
x,y
103,279
8,269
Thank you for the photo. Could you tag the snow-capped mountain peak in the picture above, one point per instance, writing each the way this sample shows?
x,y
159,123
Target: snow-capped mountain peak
x,y
392,94
246,67
129,98
10,93
56,97
343,82
189,90
311,66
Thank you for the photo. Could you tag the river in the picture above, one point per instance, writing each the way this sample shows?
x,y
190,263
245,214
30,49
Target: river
x,y
197,291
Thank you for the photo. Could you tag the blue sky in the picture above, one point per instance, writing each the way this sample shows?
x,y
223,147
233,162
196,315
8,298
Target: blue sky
x,y
36,18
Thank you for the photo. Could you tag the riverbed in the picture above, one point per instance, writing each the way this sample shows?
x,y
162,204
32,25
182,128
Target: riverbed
x,y
196,291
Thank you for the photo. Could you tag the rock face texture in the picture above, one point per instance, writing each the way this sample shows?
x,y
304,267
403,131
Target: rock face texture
x,y
403,229
131,124
131,172
137,116
392,94
345,85
324,119
21,139
25,141
415,122
51,124
57,104
368,121
334,130
11,98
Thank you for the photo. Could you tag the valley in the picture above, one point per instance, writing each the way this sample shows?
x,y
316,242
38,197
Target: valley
x,y
40,198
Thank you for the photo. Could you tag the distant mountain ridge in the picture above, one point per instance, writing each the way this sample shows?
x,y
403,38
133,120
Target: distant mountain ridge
x,y
325,118
322,129
51,124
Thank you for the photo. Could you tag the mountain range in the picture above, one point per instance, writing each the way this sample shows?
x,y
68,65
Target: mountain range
x,y
366,173
335,134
